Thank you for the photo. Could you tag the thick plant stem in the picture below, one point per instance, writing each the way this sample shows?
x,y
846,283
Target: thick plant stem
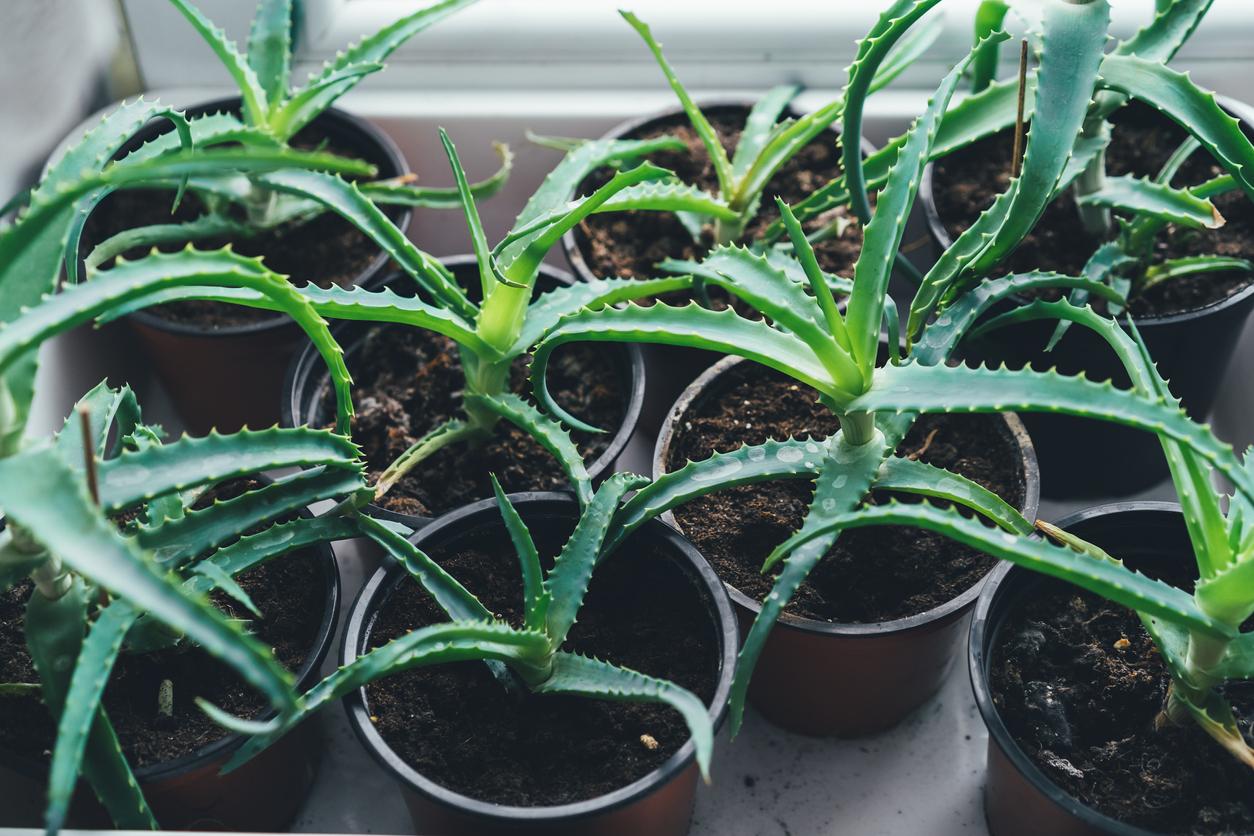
x,y
51,579
1095,219
728,232
1203,655
857,428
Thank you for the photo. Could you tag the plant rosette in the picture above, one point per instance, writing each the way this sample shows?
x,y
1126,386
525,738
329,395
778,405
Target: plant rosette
x,y
899,660
657,605
1181,258
223,363
1046,659
399,370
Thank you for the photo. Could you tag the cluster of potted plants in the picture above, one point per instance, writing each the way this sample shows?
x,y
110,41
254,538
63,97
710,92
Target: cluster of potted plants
x,y
540,652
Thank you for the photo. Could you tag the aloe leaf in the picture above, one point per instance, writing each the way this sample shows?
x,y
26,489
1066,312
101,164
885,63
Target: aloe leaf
x,y
770,291
547,310
478,240
453,598
567,582
784,144
990,15
104,406
47,498
704,130
942,335
1137,238
82,703
846,474
915,388
176,542
908,49
758,126
1113,581
1178,268
399,193
536,598
54,637
437,644
153,235
1170,29
374,49
270,47
1215,717
692,326
1174,95
790,459
820,286
221,580
16,565
310,101
1102,267
251,92
587,677
548,433
252,550
1133,194
922,479
1238,660
881,238
346,200
893,22
1178,157
140,475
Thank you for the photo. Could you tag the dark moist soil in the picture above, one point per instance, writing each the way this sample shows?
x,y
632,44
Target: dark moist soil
x,y
1079,684
629,244
326,250
290,593
457,726
967,182
413,383
872,574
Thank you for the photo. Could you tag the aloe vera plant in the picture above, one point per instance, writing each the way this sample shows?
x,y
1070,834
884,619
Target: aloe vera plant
x,y
768,141
835,354
1144,207
494,330
524,658
272,112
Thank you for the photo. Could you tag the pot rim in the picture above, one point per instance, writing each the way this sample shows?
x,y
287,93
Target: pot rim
x,y
570,244
306,675
940,235
307,362
953,608
980,638
467,518
349,124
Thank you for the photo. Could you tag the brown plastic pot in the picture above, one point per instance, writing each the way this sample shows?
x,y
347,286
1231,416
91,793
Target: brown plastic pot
x,y
818,678
189,793
307,382
227,378
658,804
671,368
1192,350
1019,798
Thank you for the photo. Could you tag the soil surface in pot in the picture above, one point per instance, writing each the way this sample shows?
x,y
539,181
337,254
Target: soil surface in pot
x,y
411,382
628,244
456,725
1079,684
966,183
872,574
326,250
291,595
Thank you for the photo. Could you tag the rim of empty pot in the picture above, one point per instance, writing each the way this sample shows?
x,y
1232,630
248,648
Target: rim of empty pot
x,y
573,254
927,196
979,657
919,621
467,518
308,363
305,676
348,124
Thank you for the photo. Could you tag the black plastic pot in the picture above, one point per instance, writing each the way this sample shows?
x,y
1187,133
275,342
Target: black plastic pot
x,y
189,793
671,368
1019,798
307,382
225,378
1192,350
659,804
801,682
